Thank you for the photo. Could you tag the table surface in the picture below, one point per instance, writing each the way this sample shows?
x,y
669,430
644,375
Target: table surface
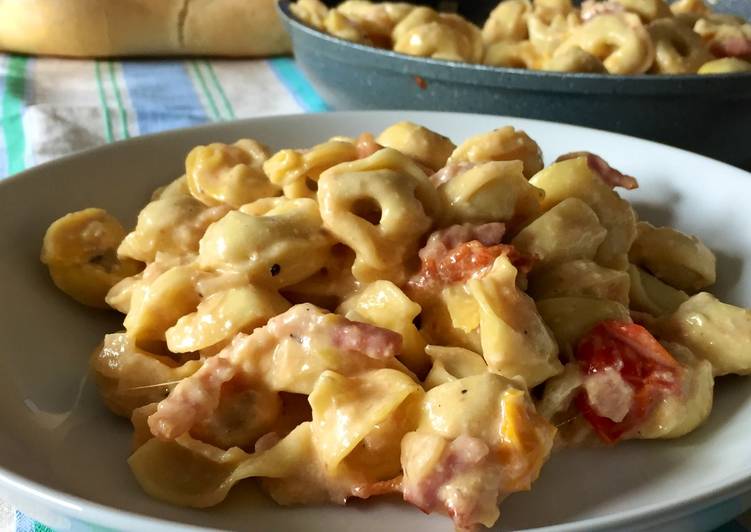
x,y
53,107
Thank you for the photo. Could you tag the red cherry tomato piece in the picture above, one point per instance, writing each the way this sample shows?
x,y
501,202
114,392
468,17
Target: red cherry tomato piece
x,y
641,362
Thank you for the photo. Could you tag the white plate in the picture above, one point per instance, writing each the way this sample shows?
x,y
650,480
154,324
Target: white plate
x,y
62,455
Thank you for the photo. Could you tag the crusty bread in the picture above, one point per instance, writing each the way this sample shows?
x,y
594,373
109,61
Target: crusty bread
x,y
106,28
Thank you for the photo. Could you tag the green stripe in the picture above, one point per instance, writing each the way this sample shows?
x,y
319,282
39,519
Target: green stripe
x,y
205,90
215,80
12,108
120,107
103,103
39,527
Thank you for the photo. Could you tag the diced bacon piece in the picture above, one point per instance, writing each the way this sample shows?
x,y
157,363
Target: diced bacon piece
x,y
366,145
462,483
461,455
736,46
193,398
449,172
301,322
610,395
612,177
374,342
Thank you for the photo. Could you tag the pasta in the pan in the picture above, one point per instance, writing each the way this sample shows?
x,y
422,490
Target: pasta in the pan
x,y
395,314
624,37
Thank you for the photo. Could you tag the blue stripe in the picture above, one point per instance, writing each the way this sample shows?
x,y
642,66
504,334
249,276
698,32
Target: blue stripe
x,y
163,95
297,84
3,162
24,523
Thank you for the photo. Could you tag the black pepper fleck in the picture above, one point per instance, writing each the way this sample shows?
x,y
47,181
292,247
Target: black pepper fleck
x,y
275,269
464,391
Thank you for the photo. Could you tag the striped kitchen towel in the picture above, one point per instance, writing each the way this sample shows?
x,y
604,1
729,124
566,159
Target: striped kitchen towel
x,y
53,107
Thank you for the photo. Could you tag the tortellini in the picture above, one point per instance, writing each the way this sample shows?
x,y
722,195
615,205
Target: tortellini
x,y
572,317
574,59
547,10
583,278
623,37
451,363
79,251
647,10
568,231
426,33
712,330
677,415
382,303
398,315
171,225
178,187
378,20
574,178
649,294
502,144
297,172
423,145
462,459
357,406
156,306
507,22
330,285
220,316
546,35
515,340
380,207
726,65
680,260
521,54
493,191
340,26
129,377
220,174
678,50
279,248
726,35
312,12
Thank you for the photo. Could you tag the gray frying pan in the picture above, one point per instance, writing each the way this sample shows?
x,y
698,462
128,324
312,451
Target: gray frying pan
x,y
705,114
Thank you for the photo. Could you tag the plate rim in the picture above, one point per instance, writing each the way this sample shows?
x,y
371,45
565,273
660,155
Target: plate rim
x,y
85,510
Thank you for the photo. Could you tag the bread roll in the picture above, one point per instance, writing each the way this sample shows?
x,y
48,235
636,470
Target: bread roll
x,y
105,28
